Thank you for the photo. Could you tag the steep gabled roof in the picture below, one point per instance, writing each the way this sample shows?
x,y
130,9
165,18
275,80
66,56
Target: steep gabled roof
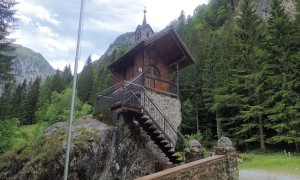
x,y
168,43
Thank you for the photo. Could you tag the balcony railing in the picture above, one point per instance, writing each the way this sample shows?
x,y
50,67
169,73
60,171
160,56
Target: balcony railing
x,y
130,94
161,85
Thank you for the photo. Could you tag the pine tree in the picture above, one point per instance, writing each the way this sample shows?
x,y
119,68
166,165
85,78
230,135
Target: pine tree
x,y
188,125
18,101
31,103
282,72
246,73
181,22
6,27
45,92
85,82
57,82
66,76
5,101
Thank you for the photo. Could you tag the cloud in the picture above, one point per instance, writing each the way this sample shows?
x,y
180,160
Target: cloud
x,y
161,13
112,15
108,26
52,41
95,57
50,27
25,19
123,16
61,63
47,31
26,10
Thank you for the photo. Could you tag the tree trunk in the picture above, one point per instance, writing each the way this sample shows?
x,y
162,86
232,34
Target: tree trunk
x,y
218,124
297,145
197,118
261,133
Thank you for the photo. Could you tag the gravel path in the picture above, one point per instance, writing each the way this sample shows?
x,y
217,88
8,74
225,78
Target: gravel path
x,y
265,175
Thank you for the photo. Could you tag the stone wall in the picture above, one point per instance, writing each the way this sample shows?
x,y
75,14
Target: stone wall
x,y
223,166
169,105
208,168
171,108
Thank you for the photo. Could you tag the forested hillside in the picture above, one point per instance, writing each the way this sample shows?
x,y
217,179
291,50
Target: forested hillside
x,y
246,83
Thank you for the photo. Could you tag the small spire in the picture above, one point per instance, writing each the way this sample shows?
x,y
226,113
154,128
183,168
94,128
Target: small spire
x,y
144,21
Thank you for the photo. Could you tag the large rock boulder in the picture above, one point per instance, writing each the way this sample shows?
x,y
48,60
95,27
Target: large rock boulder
x,y
194,152
99,151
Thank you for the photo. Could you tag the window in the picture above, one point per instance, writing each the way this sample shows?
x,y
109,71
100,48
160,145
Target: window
x,y
152,71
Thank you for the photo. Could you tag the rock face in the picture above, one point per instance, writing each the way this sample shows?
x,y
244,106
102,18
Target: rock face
x,y
122,43
263,7
29,65
98,151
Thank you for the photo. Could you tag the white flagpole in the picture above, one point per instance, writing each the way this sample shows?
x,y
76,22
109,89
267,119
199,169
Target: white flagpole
x,y
73,93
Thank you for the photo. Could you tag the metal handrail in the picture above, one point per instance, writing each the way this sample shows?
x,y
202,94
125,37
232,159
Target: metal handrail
x,y
131,87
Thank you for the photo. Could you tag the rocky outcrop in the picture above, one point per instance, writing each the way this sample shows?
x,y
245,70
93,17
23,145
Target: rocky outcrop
x,y
29,65
99,151
194,152
263,7
121,44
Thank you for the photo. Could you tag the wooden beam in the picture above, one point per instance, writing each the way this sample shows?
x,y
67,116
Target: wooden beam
x,y
179,44
176,62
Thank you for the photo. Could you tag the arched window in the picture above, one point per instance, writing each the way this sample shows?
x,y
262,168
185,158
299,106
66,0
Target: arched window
x,y
152,71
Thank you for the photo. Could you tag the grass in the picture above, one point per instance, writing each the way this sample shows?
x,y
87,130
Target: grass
x,y
26,133
272,162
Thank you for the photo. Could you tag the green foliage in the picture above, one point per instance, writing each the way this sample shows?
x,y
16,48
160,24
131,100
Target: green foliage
x,y
7,131
198,136
282,76
5,101
31,102
6,23
58,108
82,140
45,149
20,101
188,124
104,116
245,83
26,133
85,82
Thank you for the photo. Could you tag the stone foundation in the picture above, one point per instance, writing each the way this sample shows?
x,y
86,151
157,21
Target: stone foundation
x,y
208,168
170,106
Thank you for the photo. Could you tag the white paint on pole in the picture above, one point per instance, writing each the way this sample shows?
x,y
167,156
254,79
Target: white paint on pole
x,y
73,93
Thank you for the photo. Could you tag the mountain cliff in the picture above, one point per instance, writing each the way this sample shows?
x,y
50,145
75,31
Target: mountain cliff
x,y
120,45
28,65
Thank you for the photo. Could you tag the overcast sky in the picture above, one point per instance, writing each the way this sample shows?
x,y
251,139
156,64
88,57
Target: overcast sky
x,y
50,27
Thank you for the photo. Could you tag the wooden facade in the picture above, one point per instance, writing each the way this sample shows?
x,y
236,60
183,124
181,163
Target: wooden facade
x,y
143,86
156,56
